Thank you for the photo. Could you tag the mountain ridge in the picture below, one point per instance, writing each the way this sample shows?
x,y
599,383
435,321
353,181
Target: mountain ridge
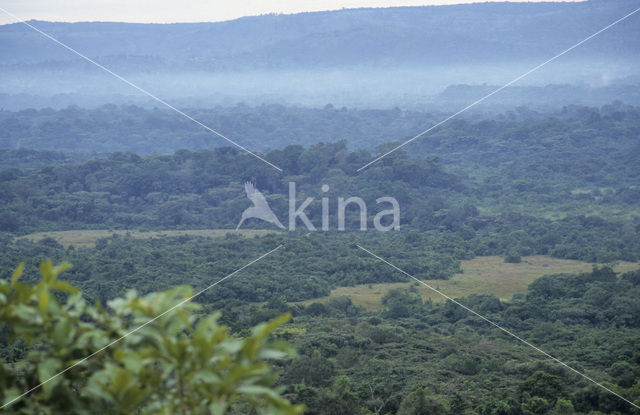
x,y
457,32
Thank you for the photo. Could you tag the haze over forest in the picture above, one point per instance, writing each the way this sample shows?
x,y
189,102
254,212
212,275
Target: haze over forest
x,y
411,57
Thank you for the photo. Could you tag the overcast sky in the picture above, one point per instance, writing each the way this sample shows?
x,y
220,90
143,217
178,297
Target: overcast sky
x,y
165,11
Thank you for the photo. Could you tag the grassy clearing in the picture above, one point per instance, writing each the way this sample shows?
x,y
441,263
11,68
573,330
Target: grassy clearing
x,y
88,238
481,275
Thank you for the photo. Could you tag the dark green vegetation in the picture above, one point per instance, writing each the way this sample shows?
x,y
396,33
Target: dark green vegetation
x,y
410,354
308,268
423,358
581,160
516,133
521,184
563,183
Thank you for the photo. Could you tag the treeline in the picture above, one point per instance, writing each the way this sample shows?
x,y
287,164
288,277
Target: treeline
x,y
578,160
112,128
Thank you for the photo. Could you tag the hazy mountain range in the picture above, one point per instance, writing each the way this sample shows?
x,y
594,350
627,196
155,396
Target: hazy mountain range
x,y
372,57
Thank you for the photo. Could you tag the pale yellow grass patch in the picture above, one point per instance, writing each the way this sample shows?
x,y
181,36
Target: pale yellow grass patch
x,y
481,275
88,238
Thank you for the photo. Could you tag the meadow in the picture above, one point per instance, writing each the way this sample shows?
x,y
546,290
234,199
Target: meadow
x,y
481,275
88,238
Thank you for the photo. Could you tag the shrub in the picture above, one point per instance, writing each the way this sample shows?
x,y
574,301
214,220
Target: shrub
x,y
126,359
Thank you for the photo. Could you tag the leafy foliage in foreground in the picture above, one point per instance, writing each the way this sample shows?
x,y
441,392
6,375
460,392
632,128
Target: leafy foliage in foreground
x,y
181,363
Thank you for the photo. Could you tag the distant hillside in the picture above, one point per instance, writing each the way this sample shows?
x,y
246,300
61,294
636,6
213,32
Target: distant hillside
x,y
378,57
429,35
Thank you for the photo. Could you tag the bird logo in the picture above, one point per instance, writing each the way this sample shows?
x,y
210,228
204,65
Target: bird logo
x,y
260,208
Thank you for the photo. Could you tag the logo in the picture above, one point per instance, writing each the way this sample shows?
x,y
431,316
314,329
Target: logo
x,y
261,210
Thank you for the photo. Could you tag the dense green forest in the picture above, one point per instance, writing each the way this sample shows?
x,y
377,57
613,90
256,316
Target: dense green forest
x,y
522,183
112,128
417,358
560,197
579,160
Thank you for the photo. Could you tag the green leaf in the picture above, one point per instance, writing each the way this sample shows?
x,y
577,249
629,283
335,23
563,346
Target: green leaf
x,y
59,269
272,354
17,274
206,376
46,269
121,379
131,399
43,301
218,408
62,335
64,287
119,354
232,346
133,363
255,390
10,395
263,330
46,370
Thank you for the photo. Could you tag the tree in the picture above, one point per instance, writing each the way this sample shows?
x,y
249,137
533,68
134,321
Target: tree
x,y
624,373
534,405
495,406
563,407
458,405
419,403
542,385
341,399
401,303
313,370
513,257
180,363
